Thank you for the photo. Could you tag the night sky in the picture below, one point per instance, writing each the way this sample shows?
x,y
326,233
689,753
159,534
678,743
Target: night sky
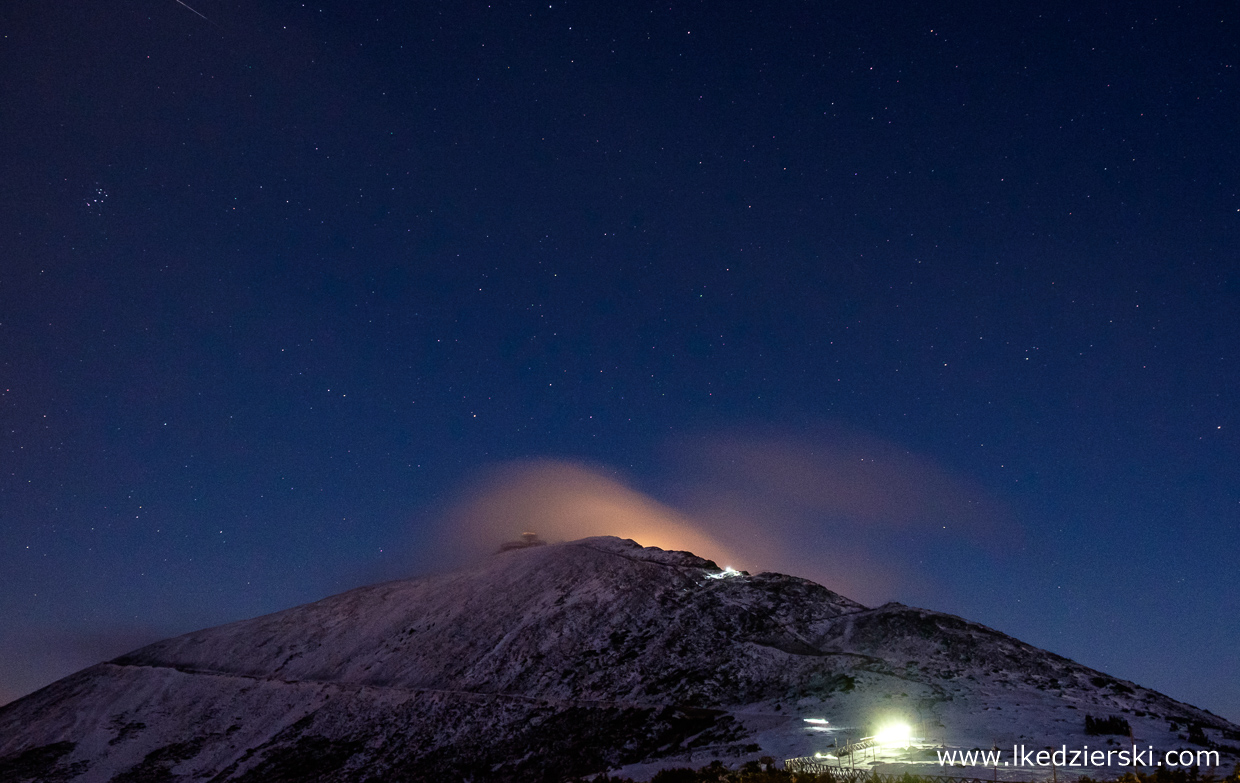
x,y
930,304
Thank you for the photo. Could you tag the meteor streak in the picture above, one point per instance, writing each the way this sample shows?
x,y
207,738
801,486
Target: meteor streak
x,y
204,18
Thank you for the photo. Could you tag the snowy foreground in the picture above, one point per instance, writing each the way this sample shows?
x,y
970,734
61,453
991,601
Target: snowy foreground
x,y
578,658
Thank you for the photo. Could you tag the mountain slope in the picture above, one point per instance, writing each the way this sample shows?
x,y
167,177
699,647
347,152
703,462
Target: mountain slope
x,y
554,661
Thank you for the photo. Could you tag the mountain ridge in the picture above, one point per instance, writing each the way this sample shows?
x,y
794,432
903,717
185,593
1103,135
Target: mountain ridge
x,y
546,662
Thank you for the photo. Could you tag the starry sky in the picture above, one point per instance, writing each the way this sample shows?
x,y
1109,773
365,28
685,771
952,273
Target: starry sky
x,y
935,304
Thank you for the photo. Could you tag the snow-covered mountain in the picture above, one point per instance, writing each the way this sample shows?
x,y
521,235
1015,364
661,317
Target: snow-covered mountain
x,y
570,659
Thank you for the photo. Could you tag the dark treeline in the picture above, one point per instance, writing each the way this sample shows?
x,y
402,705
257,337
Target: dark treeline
x,y
1112,725
765,772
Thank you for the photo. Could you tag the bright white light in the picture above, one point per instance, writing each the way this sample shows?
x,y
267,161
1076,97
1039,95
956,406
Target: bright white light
x,y
894,735
822,721
726,572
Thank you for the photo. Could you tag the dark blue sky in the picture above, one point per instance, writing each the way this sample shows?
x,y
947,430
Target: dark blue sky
x,y
275,287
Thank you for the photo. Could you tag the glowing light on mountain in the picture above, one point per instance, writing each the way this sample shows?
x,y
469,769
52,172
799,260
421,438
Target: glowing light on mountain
x,y
894,735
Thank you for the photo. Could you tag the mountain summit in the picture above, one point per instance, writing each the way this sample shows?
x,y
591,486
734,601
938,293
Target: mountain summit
x,y
552,661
